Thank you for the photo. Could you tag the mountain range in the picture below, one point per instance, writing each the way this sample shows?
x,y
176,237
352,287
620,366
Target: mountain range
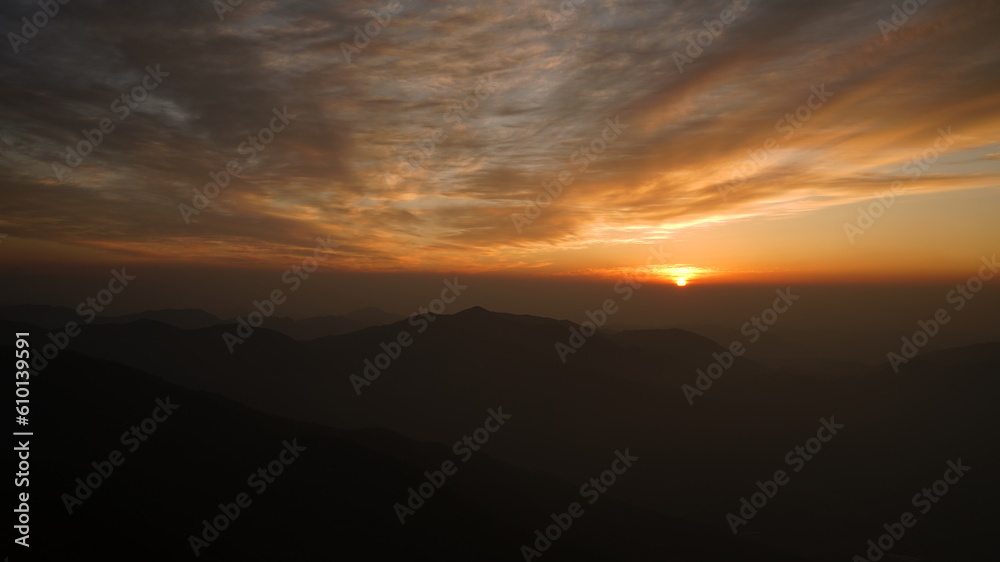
x,y
697,459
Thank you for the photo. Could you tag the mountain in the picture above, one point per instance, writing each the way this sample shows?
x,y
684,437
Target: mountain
x,y
188,319
52,318
328,493
312,328
371,316
56,317
320,326
698,458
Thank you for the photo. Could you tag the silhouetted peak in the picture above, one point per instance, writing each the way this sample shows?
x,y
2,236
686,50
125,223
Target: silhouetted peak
x,y
476,312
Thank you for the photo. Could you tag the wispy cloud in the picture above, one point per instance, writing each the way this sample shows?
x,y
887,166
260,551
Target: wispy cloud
x,y
557,84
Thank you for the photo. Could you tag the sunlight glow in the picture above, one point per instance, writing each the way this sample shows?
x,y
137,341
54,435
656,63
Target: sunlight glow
x,y
679,274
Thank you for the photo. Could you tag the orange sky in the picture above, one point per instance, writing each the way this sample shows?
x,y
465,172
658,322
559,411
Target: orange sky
x,y
502,102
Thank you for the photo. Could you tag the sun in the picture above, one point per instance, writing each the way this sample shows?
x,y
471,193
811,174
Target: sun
x,y
675,274
679,274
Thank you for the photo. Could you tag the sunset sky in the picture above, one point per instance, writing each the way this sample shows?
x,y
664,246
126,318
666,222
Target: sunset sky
x,y
665,178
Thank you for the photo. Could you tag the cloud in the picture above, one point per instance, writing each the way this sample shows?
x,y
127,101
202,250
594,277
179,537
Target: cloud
x,y
687,131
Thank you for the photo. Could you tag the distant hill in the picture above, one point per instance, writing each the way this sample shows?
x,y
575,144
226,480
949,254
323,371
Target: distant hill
x,y
312,328
188,319
320,326
625,390
371,316
53,317
335,499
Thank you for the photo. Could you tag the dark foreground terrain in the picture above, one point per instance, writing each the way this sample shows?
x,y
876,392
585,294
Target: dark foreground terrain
x,y
854,443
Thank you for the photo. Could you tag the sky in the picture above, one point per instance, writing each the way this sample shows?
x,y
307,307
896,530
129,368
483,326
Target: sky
x,y
705,142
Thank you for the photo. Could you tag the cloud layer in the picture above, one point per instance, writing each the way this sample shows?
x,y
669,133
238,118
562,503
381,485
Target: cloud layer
x,y
492,100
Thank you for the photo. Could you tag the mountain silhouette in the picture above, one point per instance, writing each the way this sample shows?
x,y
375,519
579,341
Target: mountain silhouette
x,y
624,390
337,498
188,319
